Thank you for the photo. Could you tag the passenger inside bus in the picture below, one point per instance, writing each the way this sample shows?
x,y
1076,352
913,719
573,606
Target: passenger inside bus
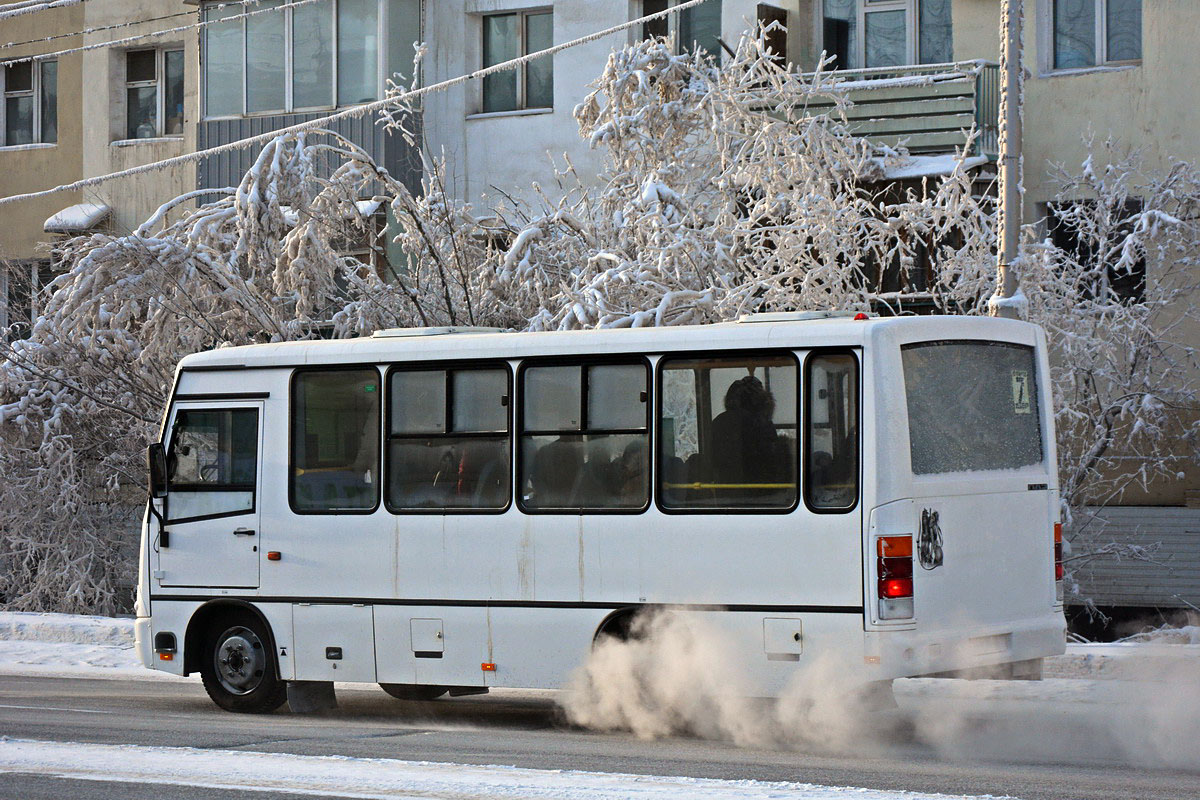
x,y
745,446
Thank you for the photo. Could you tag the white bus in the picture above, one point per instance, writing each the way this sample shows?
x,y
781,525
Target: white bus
x,y
443,511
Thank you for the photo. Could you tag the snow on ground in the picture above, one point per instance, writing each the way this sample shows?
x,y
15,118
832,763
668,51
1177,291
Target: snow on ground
x,y
390,778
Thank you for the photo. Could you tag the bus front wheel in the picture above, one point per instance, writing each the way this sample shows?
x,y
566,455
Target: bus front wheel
x,y
238,669
413,691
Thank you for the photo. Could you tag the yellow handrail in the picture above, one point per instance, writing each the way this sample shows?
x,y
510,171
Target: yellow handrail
x,y
699,485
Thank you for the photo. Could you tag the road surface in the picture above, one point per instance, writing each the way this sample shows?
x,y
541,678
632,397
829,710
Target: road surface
x,y
998,746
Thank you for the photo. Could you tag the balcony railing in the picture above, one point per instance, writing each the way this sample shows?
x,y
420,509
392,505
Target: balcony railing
x,y
928,108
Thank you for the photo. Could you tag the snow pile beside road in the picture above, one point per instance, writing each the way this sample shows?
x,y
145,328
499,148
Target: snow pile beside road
x,y
389,779
73,628
70,645
1123,661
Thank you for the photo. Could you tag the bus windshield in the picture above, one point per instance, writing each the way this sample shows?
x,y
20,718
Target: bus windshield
x,y
971,406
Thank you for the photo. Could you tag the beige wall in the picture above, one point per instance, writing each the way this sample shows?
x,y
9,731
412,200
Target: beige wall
x,y
105,148
91,90
26,169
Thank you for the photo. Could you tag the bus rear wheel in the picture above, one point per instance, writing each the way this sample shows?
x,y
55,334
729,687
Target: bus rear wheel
x,y
238,668
413,691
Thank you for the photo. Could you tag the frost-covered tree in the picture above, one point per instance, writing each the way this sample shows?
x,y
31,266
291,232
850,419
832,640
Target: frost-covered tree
x,y
1117,298
723,193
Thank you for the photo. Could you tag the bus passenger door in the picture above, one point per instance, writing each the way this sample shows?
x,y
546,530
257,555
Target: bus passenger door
x,y
211,533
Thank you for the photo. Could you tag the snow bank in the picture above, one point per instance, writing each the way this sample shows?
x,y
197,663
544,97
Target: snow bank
x,y
390,778
70,646
73,628
1141,661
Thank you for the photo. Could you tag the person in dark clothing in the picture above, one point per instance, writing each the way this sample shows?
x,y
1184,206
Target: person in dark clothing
x,y
746,448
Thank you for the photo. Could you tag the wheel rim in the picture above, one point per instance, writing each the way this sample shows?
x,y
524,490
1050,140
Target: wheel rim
x,y
240,660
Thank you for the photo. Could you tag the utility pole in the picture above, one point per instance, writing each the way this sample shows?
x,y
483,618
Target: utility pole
x,y
1012,93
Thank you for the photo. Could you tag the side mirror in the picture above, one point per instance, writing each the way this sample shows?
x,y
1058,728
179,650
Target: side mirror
x,y
156,465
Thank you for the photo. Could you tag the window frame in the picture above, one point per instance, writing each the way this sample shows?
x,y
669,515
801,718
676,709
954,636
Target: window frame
x,y
805,407
258,465
381,30
864,8
522,73
1058,232
584,362
672,23
291,434
686,355
160,90
449,367
37,134
1100,43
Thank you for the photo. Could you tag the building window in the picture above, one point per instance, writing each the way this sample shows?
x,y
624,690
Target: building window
x,y
1090,245
314,56
694,28
508,36
22,296
153,93
1092,32
30,103
887,33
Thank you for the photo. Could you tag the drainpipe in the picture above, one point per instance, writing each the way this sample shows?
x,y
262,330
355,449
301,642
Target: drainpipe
x,y
1012,17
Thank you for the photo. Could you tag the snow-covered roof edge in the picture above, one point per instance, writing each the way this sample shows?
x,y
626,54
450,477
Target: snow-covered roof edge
x,y
77,218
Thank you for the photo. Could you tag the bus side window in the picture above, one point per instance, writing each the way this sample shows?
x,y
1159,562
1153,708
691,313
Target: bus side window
x,y
448,439
585,437
335,440
212,464
831,441
728,432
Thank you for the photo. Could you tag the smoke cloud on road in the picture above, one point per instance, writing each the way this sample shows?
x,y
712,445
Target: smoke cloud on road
x,y
676,675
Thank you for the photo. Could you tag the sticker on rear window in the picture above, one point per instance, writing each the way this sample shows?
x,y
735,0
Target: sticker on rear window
x,y
1020,392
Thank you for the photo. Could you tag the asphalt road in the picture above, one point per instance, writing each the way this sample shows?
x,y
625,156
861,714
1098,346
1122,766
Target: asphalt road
x,y
1031,751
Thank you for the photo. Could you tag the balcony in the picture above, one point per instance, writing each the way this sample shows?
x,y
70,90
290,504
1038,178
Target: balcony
x,y
927,108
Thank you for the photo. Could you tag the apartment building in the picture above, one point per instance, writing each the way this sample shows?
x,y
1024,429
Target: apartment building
x,y
1118,68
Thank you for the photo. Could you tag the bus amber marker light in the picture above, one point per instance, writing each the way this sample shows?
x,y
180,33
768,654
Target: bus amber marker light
x,y
487,666
894,570
274,555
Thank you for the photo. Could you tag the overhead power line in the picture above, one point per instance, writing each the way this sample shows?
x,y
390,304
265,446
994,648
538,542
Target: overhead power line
x,y
97,29
153,34
30,8
129,24
348,113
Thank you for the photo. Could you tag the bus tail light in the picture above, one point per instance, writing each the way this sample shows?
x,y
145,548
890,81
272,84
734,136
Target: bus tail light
x,y
1058,562
894,574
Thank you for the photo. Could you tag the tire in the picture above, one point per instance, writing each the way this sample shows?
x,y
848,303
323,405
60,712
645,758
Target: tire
x,y
413,691
238,666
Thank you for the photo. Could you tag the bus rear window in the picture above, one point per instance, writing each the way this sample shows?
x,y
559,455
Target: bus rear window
x,y
971,406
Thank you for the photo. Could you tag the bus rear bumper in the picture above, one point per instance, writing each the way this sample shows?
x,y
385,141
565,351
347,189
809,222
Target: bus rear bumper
x,y
912,653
